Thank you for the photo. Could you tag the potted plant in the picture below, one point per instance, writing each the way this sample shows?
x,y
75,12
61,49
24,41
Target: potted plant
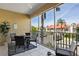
x,y
4,29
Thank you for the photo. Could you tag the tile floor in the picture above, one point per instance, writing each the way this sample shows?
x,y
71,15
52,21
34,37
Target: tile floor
x,y
39,51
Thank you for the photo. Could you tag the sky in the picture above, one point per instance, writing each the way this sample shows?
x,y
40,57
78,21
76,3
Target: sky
x,y
68,12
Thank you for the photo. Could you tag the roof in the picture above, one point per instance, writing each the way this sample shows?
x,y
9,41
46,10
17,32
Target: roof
x,y
57,26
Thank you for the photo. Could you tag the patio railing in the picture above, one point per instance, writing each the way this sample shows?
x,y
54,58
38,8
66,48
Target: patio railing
x,y
63,39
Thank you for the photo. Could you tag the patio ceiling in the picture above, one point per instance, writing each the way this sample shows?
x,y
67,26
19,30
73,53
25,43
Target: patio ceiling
x,y
32,9
24,8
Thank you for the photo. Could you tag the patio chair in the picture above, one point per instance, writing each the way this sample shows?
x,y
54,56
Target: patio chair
x,y
27,37
27,34
67,52
34,38
12,37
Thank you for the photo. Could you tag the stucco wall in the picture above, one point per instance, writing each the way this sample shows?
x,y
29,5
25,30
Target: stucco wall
x,y
22,21
23,25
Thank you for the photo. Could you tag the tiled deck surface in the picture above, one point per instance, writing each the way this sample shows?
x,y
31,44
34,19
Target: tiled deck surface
x,y
39,51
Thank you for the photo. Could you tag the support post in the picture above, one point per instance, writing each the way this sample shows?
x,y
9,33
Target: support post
x,y
42,28
54,30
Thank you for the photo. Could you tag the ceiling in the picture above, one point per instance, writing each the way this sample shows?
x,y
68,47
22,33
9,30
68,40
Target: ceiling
x,y
25,8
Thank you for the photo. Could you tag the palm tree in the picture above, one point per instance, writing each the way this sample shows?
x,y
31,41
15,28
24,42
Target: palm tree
x,y
61,22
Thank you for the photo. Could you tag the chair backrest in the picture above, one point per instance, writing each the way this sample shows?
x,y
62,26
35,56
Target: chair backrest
x,y
12,36
34,35
19,40
73,46
27,34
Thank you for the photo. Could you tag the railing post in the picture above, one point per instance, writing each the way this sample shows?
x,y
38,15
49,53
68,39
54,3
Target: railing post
x,y
63,39
76,43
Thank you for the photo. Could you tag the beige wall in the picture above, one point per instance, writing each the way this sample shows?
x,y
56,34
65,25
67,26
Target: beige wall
x,y
22,21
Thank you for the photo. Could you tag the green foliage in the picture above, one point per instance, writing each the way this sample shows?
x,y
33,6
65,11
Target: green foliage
x,y
60,21
78,33
66,35
34,29
69,35
4,27
78,29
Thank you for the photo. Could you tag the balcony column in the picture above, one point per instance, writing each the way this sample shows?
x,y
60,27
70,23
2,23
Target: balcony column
x,y
54,30
42,28
55,10
43,17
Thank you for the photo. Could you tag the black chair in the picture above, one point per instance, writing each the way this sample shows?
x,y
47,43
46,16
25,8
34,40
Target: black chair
x,y
31,38
27,37
27,40
34,38
19,42
27,34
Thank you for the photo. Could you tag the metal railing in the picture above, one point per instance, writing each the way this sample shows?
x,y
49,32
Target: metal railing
x,y
63,39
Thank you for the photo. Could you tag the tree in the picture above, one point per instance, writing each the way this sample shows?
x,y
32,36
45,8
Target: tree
x,y
61,22
73,25
34,29
77,37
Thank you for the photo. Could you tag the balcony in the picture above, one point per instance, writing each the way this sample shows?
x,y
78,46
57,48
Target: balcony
x,y
63,40
48,41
